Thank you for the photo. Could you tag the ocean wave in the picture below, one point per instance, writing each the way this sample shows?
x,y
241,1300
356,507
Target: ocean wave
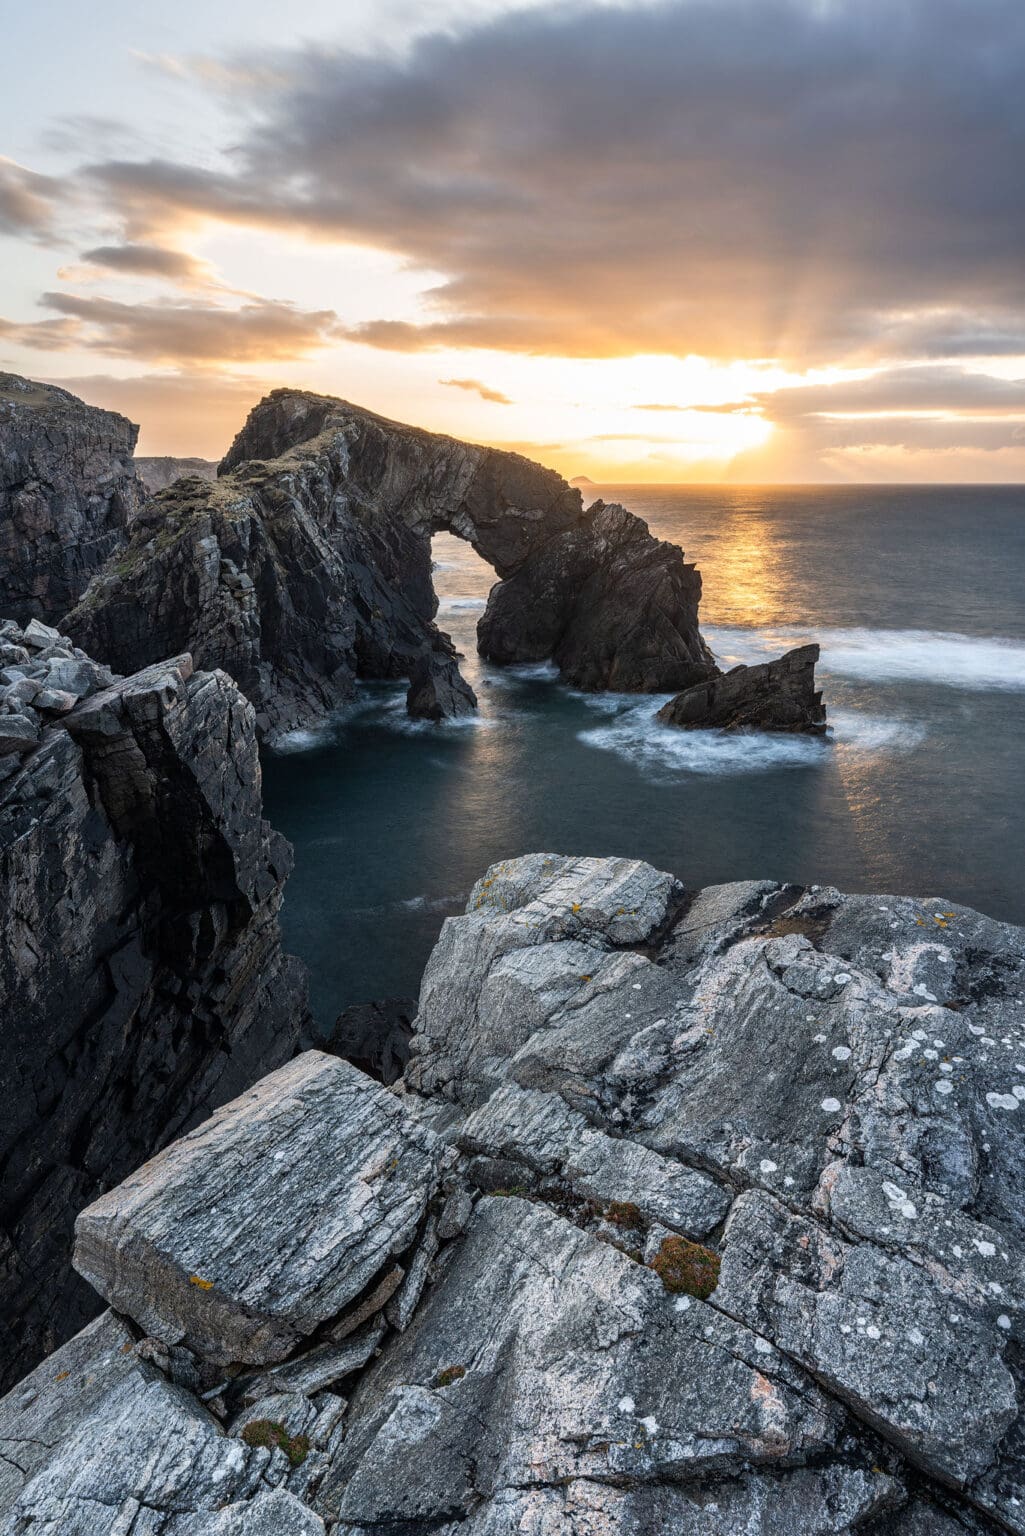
x,y
888,655
461,604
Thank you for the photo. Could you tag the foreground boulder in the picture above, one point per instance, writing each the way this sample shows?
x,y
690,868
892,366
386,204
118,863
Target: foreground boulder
x,y
68,490
142,979
697,1212
773,696
308,565
240,1240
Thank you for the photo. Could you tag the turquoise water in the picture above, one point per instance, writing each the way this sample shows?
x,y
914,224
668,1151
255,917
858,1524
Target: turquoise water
x,y
916,596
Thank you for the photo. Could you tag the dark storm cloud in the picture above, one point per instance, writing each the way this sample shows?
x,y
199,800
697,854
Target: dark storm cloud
x,y
756,178
261,331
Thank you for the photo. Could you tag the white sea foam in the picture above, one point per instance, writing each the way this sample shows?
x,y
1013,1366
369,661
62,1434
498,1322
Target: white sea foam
x,y
461,604
874,733
636,734
888,655
300,741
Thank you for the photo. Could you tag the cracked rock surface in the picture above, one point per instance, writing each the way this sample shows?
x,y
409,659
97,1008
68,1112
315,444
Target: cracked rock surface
x,y
68,489
142,979
711,1224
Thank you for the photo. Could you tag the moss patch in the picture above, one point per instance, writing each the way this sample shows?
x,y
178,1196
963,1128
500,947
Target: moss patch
x,y
274,1436
450,1374
686,1268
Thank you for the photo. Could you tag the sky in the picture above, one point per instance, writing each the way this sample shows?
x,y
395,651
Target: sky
x,y
651,240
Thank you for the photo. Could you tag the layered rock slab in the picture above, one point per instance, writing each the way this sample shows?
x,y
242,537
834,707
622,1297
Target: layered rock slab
x,y
68,490
240,1240
142,978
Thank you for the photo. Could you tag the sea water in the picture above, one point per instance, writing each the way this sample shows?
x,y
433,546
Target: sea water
x,y
916,597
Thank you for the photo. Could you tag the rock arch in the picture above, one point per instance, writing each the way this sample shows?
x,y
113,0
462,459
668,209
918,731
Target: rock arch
x,y
307,565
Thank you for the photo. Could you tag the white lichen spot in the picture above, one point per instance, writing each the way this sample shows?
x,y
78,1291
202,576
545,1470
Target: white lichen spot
x,y
916,1336
767,1165
683,1303
842,978
832,1105
626,1405
650,1424
872,1332
944,1086
1003,1321
763,1346
841,1052
988,1250
1001,1101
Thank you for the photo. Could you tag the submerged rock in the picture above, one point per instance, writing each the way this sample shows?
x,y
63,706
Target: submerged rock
x,y
68,490
142,979
695,1212
773,696
308,565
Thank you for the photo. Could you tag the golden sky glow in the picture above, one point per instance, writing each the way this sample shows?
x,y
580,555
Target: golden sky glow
x,y
592,233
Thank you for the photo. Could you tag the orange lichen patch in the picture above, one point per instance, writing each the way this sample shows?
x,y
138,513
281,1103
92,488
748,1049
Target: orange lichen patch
x,y
62,1376
203,1285
575,907
585,978
686,1268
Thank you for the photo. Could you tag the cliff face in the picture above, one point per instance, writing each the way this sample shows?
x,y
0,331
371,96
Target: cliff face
x,y
142,979
696,1212
308,565
158,473
67,492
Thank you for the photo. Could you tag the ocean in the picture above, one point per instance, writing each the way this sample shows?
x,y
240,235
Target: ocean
x,y
917,597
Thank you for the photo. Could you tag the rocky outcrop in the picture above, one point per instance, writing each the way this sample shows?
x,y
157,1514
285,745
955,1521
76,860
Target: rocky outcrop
x,y
68,489
696,1212
774,696
142,980
157,474
308,566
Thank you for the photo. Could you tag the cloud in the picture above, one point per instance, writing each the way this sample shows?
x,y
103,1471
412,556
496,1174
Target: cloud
x,y
27,201
149,261
474,386
736,178
940,388
262,331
